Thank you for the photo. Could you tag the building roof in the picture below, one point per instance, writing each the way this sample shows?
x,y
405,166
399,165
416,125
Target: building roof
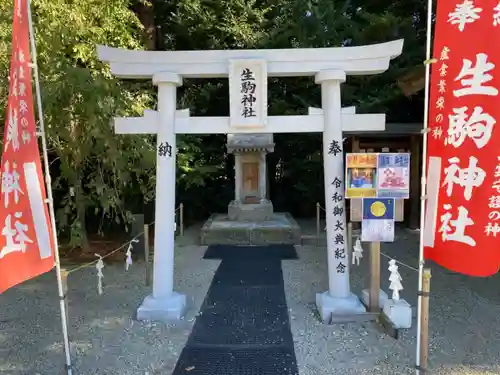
x,y
250,142
393,128
413,81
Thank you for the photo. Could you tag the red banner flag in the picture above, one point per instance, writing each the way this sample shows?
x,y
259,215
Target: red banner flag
x,y
462,224
26,241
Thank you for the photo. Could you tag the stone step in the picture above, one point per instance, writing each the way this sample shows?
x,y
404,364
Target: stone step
x,y
280,229
312,240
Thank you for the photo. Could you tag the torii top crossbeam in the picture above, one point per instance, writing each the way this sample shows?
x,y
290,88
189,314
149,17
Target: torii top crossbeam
x,y
362,60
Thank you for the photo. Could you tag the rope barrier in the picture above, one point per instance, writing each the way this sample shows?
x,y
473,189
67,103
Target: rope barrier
x,y
107,254
397,261
134,239
385,255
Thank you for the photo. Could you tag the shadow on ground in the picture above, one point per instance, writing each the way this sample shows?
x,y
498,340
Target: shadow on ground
x,y
464,320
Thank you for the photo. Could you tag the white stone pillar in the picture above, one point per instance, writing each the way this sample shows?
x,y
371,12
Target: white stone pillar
x,y
338,299
237,177
262,175
164,304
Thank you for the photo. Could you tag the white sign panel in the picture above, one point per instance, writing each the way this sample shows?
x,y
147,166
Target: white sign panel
x,y
377,223
248,93
377,230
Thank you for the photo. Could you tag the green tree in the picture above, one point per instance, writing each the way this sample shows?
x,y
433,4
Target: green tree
x,y
234,24
109,175
337,23
95,169
204,168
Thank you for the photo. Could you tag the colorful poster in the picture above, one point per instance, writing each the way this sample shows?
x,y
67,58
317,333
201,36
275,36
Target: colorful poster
x,y
393,175
378,175
377,223
462,223
361,175
26,243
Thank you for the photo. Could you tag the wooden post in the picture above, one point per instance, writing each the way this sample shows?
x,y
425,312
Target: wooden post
x,y
349,242
135,233
318,215
415,182
64,281
356,147
181,218
146,254
424,320
374,303
355,144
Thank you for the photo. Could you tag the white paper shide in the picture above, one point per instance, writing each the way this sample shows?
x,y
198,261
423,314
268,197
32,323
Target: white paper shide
x,y
357,253
248,93
397,309
395,280
99,266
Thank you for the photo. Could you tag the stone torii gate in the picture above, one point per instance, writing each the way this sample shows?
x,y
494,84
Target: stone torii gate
x,y
248,71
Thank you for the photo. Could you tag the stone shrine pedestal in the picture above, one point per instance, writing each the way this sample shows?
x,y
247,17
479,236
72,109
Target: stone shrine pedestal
x,y
259,211
281,228
250,219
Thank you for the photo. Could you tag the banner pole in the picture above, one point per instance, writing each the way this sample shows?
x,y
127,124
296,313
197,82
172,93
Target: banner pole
x,y
423,187
50,200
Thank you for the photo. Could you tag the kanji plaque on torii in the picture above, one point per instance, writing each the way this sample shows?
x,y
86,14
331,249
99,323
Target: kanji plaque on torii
x,y
248,93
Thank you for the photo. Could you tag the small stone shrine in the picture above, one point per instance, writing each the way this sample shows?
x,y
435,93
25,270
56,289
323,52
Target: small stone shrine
x,y
250,219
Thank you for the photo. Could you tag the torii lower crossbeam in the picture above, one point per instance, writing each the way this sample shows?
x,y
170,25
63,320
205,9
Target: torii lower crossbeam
x,y
312,123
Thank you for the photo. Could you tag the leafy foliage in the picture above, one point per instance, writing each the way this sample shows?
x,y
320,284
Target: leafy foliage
x,y
96,170
104,177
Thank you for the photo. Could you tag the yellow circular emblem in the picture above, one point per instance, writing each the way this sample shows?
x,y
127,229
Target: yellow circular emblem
x,y
378,209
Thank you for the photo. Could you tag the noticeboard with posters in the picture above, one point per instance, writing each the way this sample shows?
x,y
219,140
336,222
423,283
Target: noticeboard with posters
x,y
377,175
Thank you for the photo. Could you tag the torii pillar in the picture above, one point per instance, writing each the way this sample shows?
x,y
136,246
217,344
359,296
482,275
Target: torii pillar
x,y
164,303
338,299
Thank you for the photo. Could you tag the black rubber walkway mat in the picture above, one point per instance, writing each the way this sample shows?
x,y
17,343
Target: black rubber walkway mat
x,y
208,361
249,273
243,316
243,327
239,253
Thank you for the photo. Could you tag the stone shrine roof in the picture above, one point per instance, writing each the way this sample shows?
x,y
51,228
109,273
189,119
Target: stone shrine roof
x,y
250,142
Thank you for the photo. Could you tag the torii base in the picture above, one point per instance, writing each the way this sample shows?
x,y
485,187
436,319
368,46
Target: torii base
x,y
163,309
328,306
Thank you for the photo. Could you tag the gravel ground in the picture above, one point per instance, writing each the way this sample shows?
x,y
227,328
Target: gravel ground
x,y
106,340
464,319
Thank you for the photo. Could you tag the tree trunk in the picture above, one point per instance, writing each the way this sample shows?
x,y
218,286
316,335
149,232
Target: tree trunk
x,y
81,214
145,13
81,208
